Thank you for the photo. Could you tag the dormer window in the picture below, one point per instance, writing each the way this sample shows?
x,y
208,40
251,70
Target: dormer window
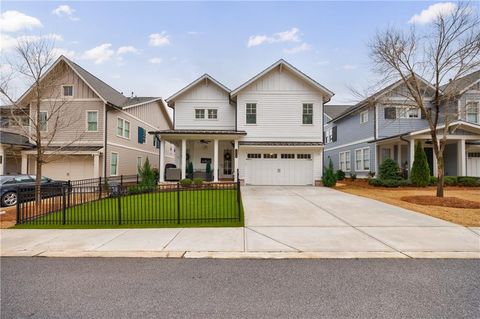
x,y
68,90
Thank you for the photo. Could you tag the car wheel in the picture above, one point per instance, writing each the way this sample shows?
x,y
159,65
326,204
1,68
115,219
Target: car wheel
x,y
9,199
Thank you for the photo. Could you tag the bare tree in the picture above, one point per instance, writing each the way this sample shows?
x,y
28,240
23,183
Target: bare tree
x,y
439,54
43,105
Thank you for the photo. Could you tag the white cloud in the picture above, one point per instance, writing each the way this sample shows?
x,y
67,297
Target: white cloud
x,y
432,12
292,35
349,66
65,11
12,21
159,39
100,53
128,49
8,42
302,47
60,51
155,60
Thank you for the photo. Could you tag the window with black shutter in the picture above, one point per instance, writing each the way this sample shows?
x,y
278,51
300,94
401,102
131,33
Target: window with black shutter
x,y
141,135
334,134
390,113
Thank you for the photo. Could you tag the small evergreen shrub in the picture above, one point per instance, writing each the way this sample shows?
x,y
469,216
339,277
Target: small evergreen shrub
x,y
450,180
186,182
329,179
389,170
390,183
340,175
468,181
148,180
189,169
208,171
371,174
198,181
433,181
420,175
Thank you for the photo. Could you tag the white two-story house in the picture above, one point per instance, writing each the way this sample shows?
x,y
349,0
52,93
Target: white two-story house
x,y
269,129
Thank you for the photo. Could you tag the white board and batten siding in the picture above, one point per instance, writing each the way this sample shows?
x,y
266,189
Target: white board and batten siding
x,y
205,95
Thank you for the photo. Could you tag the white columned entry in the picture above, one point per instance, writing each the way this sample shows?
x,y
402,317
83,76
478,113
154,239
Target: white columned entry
x,y
411,154
461,154
24,163
215,160
435,164
2,160
235,160
184,158
161,169
96,165
399,154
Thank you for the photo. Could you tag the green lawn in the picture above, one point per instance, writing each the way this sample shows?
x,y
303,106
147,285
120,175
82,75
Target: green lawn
x,y
198,208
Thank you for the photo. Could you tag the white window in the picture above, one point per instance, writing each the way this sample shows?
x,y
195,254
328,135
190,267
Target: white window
x,y
364,117
408,112
473,112
344,161
113,164
307,115
199,113
92,121
287,156
251,113
329,136
212,114
304,156
67,90
362,159
254,155
271,155
43,125
123,128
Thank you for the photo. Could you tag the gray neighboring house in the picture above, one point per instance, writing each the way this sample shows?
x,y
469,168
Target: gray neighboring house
x,y
358,138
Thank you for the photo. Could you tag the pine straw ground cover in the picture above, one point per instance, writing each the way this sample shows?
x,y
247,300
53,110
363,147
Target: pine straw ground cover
x,y
423,202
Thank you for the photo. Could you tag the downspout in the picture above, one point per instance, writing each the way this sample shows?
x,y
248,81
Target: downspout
x,y
105,142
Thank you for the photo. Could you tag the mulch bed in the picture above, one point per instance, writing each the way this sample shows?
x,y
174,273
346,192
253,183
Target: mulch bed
x,y
454,202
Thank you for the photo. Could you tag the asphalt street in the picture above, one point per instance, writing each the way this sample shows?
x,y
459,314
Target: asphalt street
x,y
211,288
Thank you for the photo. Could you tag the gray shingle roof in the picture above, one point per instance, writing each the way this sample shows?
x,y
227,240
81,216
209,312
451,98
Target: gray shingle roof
x,y
335,110
14,139
208,132
138,99
462,83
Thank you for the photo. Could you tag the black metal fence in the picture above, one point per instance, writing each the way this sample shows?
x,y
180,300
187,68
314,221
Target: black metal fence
x,y
100,181
123,204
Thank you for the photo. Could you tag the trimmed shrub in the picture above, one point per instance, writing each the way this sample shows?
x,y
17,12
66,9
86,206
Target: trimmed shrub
x,y
353,176
420,175
375,182
186,182
340,175
148,179
208,171
469,181
390,183
389,170
450,180
198,181
329,179
189,169
433,181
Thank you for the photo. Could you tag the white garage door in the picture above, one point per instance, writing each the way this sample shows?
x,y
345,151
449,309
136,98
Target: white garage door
x,y
69,168
279,169
473,164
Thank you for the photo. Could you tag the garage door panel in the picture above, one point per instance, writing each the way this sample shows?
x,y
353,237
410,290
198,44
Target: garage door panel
x,y
473,164
69,168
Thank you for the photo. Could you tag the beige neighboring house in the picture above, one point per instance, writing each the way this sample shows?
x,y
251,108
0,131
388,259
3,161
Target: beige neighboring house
x,y
106,132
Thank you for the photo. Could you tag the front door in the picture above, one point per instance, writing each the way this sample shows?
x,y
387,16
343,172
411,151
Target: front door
x,y
429,152
227,162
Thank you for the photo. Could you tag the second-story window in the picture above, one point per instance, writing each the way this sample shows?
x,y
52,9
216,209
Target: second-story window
x,y
123,128
42,124
251,113
473,112
364,117
408,112
212,114
328,136
68,90
92,121
307,115
199,113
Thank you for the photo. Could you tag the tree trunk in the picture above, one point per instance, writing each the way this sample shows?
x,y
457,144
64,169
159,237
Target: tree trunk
x,y
38,142
440,175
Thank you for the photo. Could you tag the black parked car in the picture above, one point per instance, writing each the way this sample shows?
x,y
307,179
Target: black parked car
x,y
10,183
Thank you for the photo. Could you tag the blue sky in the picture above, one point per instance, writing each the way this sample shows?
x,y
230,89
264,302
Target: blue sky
x,y
156,48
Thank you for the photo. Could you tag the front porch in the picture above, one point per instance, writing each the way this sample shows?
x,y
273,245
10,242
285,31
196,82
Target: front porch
x,y
210,155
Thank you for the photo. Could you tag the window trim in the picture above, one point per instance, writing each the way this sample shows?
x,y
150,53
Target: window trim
x,y
361,117
195,113
340,161
270,156
117,164
208,115
123,128
68,96
86,120
362,149
329,136
406,112
478,110
254,156
256,113
46,121
287,156
303,114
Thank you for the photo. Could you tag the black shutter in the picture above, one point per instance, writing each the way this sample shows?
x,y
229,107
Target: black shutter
x,y
324,138
390,113
334,134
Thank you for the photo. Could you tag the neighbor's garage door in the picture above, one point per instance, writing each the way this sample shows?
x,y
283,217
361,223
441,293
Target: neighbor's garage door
x,y
279,169
473,164
69,168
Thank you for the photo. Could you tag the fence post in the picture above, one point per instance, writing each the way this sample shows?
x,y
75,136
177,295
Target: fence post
x,y
178,203
119,203
69,193
239,197
64,206
100,187
18,205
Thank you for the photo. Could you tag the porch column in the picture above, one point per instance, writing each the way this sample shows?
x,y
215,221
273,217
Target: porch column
x,y
161,169
2,160
184,158
461,153
96,165
24,164
399,154
215,160
411,155
235,160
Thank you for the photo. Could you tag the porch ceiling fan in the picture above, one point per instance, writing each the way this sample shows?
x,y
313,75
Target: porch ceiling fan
x,y
204,141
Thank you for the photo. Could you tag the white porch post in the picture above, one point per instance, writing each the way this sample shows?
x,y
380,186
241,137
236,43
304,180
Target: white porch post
x,y
2,160
399,154
411,155
24,163
96,165
184,158
235,160
461,153
161,169
215,160
435,164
